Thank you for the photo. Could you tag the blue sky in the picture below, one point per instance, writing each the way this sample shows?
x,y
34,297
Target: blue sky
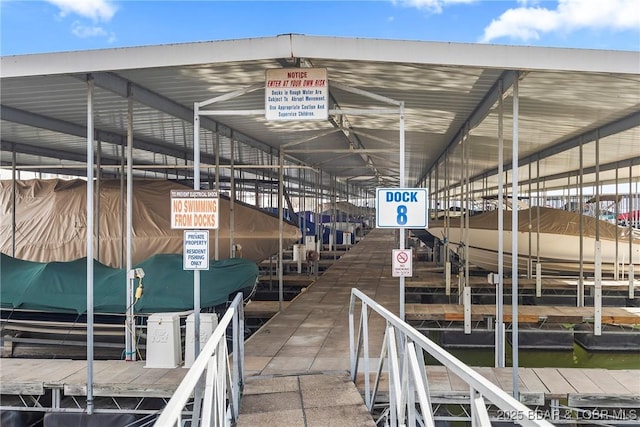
x,y
64,25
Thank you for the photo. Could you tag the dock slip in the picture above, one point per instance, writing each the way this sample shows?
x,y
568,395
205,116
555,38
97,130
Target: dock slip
x,y
311,336
301,356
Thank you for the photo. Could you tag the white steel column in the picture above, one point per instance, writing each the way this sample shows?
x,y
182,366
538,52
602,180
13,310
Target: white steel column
x,y
579,204
13,200
90,133
499,330
597,296
130,353
280,230
196,273
217,230
232,200
514,237
402,167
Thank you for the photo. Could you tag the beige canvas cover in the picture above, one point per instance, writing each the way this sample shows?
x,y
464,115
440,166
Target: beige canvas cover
x,y
51,223
348,208
546,220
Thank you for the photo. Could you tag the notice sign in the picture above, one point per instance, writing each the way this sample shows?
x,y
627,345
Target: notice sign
x,y
296,94
402,262
194,209
196,250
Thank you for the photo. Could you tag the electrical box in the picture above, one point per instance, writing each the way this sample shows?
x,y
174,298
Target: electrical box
x,y
310,243
208,323
164,349
346,238
298,252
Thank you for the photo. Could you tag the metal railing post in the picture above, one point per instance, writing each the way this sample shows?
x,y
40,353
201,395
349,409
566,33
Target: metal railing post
x,y
407,376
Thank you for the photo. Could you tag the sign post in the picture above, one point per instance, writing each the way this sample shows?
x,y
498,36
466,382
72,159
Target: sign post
x,y
195,212
401,208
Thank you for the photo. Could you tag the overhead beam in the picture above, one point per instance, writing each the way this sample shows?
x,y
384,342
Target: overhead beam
x,y
55,125
123,87
619,164
15,115
609,129
476,117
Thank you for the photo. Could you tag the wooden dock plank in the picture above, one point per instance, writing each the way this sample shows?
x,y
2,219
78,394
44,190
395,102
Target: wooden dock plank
x,y
263,308
532,390
629,378
579,381
526,313
438,379
529,380
457,384
607,381
21,370
430,277
324,305
557,385
488,373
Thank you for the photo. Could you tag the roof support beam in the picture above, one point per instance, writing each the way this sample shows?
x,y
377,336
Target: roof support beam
x,y
49,152
30,119
612,128
477,116
121,86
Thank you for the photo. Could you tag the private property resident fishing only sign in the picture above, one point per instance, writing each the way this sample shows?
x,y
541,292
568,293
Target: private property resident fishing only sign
x,y
296,94
196,250
195,211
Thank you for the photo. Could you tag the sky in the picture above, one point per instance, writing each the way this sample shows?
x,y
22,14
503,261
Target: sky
x,y
68,25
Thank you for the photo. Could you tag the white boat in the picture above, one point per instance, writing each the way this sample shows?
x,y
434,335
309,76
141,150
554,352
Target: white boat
x,y
555,241
51,223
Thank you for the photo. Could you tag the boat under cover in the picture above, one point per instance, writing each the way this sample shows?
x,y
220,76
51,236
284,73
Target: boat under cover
x,y
51,223
555,239
60,287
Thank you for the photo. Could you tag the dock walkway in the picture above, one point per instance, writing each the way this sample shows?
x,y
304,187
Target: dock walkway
x,y
308,343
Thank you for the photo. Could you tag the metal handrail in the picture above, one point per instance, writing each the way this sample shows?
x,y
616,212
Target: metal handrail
x,y
403,350
212,381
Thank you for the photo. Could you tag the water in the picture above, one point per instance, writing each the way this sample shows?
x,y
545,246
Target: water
x,y
577,358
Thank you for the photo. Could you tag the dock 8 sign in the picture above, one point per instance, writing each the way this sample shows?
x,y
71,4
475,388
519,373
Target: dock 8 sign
x,y
401,207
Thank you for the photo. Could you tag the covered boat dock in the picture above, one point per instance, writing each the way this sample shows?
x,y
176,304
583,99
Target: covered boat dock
x,y
465,122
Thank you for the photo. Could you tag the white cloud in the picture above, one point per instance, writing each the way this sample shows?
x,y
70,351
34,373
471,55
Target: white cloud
x,y
433,6
84,31
97,10
527,23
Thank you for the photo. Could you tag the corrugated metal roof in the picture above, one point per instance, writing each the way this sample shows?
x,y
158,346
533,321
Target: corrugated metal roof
x,y
565,96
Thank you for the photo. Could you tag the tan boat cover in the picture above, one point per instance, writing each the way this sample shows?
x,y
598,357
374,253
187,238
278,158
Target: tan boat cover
x,y
348,208
546,220
51,223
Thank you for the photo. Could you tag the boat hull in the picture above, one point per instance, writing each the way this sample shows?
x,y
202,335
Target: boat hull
x,y
556,251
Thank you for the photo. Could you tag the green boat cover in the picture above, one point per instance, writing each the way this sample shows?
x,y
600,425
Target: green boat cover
x,y
60,287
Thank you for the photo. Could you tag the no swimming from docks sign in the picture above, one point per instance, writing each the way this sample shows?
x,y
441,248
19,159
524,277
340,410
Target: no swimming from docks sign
x,y
194,209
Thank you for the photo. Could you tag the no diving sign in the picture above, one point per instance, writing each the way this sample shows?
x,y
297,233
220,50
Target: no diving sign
x,y
402,262
196,250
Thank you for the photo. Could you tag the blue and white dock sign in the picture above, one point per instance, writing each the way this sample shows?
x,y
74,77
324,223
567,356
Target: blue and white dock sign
x,y
401,207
